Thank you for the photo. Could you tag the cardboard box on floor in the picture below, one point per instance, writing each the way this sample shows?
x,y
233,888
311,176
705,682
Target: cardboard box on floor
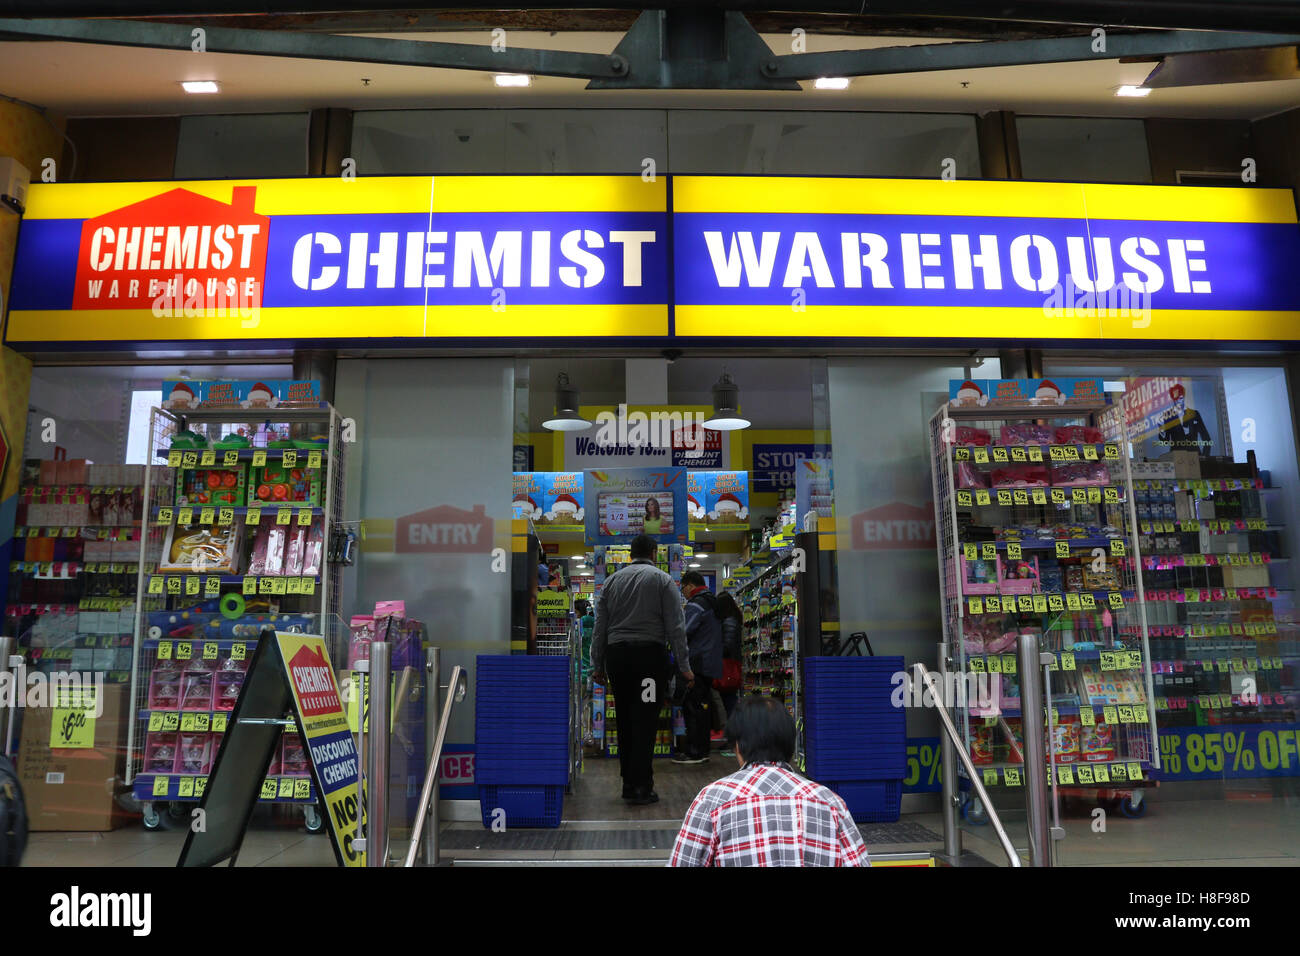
x,y
71,789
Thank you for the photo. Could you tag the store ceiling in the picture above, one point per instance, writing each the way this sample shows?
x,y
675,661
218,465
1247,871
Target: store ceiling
x,y
132,81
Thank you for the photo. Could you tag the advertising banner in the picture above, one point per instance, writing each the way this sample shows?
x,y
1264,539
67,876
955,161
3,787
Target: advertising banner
x,y
1229,752
407,258
776,464
718,500
1055,393
552,499
814,491
626,502
631,436
925,259
330,744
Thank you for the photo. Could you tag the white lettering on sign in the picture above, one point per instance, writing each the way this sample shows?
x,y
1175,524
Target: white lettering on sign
x,y
170,247
313,680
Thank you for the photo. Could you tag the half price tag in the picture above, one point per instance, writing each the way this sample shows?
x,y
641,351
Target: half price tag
x,y
259,458
253,516
208,459
1013,550
230,458
1012,776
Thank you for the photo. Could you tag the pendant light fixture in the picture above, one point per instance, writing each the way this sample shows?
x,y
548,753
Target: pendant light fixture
x,y
726,406
566,417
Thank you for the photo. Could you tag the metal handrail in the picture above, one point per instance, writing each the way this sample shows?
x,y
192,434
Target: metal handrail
x,y
455,693
1013,858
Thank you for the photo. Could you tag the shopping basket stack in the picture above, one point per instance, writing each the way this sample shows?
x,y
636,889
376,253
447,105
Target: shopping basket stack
x,y
854,736
521,735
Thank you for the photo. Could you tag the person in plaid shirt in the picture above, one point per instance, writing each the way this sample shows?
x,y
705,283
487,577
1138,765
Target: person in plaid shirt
x,y
765,814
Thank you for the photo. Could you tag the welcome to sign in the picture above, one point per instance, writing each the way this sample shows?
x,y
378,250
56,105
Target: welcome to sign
x,y
580,259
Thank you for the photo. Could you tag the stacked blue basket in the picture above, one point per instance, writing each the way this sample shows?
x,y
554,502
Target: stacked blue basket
x,y
521,735
855,738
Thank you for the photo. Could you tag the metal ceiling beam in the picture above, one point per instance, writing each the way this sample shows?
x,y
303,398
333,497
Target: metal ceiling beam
x,y
963,56
321,46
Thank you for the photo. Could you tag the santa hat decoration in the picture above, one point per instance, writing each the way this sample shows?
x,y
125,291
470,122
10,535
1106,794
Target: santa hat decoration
x,y
691,502
259,388
566,500
181,394
1048,392
728,498
525,500
970,392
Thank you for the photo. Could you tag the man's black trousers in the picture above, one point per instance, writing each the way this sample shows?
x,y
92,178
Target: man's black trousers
x,y
637,706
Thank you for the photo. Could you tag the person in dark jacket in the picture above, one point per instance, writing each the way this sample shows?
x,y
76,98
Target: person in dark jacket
x,y
733,623
704,645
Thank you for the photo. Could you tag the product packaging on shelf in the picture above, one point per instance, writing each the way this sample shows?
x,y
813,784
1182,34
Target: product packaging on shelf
x,y
202,550
276,484
220,486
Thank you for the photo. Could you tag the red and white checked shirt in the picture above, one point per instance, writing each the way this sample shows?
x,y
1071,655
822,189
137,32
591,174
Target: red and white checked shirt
x,y
768,815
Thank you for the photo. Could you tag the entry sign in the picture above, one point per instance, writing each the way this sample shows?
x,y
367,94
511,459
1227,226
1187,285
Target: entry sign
x,y
289,676
331,748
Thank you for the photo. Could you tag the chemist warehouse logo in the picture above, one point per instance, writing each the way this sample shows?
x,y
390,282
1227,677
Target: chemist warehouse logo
x,y
173,252
314,680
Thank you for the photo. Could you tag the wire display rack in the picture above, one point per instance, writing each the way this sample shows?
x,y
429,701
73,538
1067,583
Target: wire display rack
x,y
1037,534
180,638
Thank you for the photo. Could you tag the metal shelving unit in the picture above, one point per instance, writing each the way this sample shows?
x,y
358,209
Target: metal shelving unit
x,y
304,602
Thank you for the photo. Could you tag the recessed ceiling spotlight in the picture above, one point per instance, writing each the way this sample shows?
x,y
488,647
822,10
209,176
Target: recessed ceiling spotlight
x,y
832,83
200,86
1133,91
512,79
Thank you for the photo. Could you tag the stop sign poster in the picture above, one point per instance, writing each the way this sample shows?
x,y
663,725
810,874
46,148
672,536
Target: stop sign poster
x,y
330,745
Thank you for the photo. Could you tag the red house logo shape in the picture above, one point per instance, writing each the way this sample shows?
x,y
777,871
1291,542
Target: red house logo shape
x,y
131,256
313,678
443,529
895,526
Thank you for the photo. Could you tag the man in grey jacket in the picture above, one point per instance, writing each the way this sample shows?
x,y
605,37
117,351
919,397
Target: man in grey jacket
x,y
638,615
704,637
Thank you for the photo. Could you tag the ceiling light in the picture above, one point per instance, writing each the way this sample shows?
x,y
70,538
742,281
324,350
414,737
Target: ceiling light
x,y
566,417
695,564
200,86
1133,91
726,406
513,79
832,83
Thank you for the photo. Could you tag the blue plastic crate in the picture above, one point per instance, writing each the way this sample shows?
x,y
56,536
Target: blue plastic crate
x,y
871,801
524,806
510,774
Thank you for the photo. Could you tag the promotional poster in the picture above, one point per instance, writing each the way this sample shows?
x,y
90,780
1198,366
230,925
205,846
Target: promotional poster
x,y
626,502
718,500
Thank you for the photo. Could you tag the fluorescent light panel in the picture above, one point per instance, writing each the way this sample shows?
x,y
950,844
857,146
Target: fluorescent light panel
x,y
200,86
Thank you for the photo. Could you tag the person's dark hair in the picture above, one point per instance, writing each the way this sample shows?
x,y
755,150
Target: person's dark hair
x,y
693,578
653,501
644,546
727,607
762,730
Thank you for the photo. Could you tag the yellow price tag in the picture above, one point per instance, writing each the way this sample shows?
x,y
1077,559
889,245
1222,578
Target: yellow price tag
x,y
1111,452
155,584
1004,497
184,651
304,516
186,788
185,516
174,458
1018,453
226,516
1117,548
165,515
1035,453
289,458
1065,774
171,722
1072,601
200,784
313,459
283,515
219,723
264,586
1067,660
207,515
155,722
191,585
269,789
308,585
164,650
1012,776
160,785
1058,496
1089,452
994,664
1039,496
1020,496
990,778
187,723
249,586
1140,714
253,516
988,550
1135,771
961,454
1110,714
286,787
189,459
1040,603
1118,772
1071,453
1085,775
293,585
1087,602
1055,603
259,458
278,586
981,456
964,499
1008,663
1025,603
977,665
230,458
1125,714
237,652
302,785
1062,549
208,459
1079,496
209,650
999,453
982,497
212,587
1086,716
1100,773
1056,452
993,604
971,551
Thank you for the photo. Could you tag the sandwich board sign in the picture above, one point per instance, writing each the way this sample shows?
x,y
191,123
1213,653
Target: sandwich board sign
x,y
290,684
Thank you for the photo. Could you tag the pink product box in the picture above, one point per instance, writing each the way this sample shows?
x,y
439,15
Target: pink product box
x,y
196,690
1018,576
194,754
293,758
229,684
164,688
160,753
980,576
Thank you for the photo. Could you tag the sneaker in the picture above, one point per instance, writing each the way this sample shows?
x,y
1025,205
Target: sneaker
x,y
688,759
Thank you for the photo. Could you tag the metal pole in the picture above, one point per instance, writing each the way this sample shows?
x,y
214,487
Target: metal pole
x,y
455,694
1031,710
381,658
7,714
948,768
433,683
